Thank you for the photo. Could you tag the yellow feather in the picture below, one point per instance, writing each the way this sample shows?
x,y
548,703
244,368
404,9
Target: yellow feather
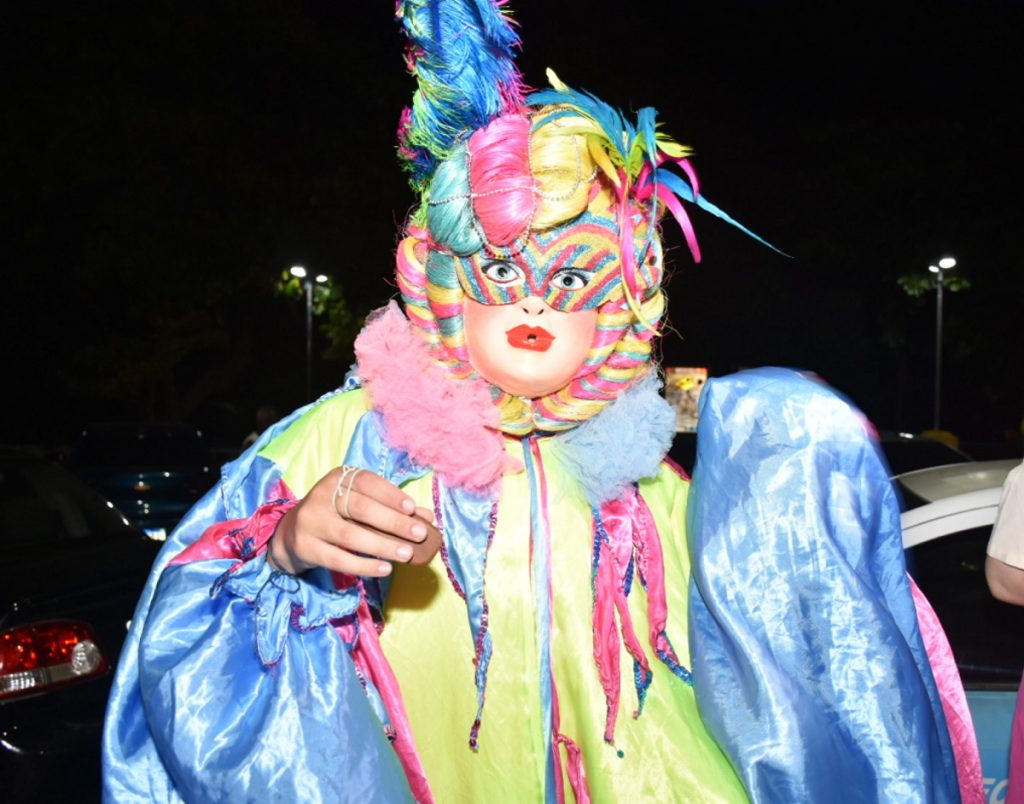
x,y
674,149
555,81
602,160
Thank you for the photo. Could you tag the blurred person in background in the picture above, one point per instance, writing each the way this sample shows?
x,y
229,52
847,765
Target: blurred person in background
x,y
1004,571
266,415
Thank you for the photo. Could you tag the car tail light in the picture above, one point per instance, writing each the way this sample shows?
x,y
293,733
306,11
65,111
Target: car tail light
x,y
34,658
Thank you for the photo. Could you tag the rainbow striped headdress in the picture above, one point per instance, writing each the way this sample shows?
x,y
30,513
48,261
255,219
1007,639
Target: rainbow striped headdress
x,y
495,166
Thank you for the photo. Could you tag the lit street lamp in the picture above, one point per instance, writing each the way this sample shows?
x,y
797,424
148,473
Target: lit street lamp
x,y
945,264
300,273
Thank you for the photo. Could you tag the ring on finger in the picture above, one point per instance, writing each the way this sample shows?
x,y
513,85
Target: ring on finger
x,y
348,493
346,472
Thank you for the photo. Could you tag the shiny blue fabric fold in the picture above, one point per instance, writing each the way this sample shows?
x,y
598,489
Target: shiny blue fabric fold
x,y
281,602
308,706
132,769
187,645
466,520
369,450
808,664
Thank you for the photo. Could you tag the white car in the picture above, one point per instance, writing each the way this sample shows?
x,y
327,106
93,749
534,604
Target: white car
x,y
945,530
957,497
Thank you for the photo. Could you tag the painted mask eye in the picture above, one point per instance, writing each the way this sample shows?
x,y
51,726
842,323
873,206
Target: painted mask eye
x,y
504,273
570,279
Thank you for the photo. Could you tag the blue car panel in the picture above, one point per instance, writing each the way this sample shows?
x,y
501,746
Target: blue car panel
x,y
992,712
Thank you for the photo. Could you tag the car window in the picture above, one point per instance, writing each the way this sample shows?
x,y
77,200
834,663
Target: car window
x,y
983,632
165,449
41,503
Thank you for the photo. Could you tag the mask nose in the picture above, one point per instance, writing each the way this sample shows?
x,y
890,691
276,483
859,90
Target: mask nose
x,y
533,305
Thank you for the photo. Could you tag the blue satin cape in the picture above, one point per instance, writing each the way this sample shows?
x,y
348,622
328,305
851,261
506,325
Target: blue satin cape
x,y
808,664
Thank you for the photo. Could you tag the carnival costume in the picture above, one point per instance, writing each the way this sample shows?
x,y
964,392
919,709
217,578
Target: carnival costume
x,y
559,645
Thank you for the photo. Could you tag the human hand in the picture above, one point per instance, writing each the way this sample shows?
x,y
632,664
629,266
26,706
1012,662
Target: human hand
x,y
354,522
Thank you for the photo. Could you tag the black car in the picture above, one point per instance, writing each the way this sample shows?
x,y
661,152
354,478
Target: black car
x,y
71,572
153,472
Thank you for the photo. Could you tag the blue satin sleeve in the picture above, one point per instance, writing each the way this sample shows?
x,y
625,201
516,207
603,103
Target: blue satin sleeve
x,y
295,725
132,767
808,664
230,685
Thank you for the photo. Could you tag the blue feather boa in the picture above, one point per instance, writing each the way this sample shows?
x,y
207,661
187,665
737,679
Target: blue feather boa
x,y
625,442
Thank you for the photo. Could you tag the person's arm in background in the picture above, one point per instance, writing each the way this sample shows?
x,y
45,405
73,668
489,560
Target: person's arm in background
x,y
1004,564
1005,581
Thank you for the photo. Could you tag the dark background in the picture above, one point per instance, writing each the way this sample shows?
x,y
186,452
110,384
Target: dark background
x,y
164,162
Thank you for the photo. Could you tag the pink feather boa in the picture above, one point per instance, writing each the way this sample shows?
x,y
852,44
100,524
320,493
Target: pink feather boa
x,y
450,426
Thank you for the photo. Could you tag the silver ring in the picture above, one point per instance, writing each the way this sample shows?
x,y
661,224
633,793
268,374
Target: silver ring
x,y
348,492
346,472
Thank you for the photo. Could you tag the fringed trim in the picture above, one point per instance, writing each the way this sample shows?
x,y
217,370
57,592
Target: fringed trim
x,y
574,759
574,767
650,564
477,609
612,549
625,536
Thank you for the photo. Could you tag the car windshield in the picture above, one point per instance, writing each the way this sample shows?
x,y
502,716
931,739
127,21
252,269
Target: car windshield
x,y
42,503
983,632
164,448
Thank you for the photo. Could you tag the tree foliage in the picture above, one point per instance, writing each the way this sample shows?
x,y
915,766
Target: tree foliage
x,y
917,285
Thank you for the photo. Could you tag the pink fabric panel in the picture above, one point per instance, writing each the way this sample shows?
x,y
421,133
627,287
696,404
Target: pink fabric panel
x,y
954,701
369,658
1015,790
225,539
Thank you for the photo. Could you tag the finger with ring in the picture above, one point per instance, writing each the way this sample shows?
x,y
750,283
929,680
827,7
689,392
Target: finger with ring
x,y
348,493
347,472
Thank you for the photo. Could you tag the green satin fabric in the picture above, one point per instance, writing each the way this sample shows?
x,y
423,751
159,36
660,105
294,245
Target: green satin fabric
x,y
665,755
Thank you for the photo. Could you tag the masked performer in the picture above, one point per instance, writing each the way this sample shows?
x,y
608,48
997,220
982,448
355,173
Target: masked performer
x,y
300,639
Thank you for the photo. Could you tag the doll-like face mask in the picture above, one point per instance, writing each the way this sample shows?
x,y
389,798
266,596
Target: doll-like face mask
x,y
573,268
530,314
527,348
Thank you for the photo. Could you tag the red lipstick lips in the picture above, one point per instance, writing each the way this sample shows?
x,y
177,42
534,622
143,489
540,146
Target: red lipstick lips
x,y
536,339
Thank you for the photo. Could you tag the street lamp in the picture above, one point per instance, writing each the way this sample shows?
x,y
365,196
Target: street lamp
x,y
945,264
301,273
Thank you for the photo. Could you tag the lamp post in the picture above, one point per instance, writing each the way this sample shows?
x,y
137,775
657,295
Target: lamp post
x,y
307,283
945,264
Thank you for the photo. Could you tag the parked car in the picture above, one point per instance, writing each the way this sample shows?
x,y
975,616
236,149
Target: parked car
x,y
945,531
152,472
906,452
73,568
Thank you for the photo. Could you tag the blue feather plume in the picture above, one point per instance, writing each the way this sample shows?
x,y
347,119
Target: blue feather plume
x,y
462,53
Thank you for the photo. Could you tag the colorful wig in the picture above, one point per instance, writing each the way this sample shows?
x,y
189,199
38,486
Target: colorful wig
x,y
494,168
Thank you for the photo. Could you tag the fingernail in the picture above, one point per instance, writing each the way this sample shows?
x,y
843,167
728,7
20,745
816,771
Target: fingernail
x,y
419,531
404,552
408,506
384,568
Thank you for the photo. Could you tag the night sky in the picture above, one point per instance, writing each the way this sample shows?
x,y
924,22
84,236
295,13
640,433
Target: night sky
x,y
166,161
